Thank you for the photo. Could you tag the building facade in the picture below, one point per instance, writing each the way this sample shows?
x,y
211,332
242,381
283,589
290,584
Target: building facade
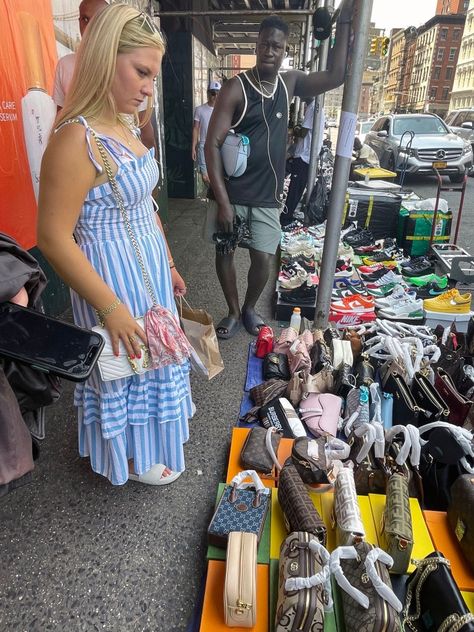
x,y
394,63
444,7
462,95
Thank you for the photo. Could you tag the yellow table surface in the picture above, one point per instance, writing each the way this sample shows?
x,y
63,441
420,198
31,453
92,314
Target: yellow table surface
x,y
374,172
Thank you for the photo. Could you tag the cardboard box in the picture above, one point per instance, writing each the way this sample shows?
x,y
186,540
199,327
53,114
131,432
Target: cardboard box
x,y
422,542
439,318
445,542
263,556
213,607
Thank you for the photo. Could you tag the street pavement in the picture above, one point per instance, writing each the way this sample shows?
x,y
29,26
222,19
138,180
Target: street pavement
x,y
79,555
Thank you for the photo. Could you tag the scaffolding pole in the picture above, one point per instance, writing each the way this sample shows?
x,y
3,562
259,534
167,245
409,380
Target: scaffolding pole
x,y
317,134
342,165
306,60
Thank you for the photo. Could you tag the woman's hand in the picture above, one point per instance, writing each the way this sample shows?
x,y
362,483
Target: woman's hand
x,y
123,327
179,286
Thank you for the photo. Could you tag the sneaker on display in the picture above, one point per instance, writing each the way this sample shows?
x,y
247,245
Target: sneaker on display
x,y
429,290
405,310
399,293
442,281
450,302
417,267
389,277
355,304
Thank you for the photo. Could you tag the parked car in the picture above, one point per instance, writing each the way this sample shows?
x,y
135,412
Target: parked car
x,y
461,122
433,144
362,127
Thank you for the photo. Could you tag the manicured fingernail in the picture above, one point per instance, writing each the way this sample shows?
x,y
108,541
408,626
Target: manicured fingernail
x,y
139,355
132,357
116,354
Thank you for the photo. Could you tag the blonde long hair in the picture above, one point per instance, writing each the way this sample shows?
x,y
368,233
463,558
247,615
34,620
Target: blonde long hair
x,y
119,28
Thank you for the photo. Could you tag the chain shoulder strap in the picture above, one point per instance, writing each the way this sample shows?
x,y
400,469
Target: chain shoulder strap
x,y
452,623
119,199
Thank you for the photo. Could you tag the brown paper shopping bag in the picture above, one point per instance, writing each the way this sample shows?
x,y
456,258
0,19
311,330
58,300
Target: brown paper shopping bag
x,y
198,326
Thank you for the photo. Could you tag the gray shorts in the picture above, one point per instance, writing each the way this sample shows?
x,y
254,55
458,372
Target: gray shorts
x,y
201,160
265,226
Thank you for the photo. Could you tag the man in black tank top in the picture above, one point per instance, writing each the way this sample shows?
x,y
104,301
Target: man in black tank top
x,y
256,103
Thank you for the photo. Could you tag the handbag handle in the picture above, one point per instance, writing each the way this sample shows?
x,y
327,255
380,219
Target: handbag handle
x,y
238,481
336,449
120,203
323,577
411,443
374,555
269,446
463,436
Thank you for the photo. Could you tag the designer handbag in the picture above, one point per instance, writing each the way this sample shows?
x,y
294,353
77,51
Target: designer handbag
x,y
459,406
434,602
346,510
447,454
275,365
240,588
368,601
262,394
320,356
280,414
397,532
264,342
304,589
428,398
241,508
298,509
461,515
320,412
364,371
259,450
309,458
405,408
167,343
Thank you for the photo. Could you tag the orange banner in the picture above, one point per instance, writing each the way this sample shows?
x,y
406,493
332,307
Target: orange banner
x,y
27,65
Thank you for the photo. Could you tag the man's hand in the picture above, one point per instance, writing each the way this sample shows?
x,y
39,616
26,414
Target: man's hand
x,y
193,154
225,218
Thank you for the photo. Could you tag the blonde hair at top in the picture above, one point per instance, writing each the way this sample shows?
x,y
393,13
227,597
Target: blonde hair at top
x,y
118,28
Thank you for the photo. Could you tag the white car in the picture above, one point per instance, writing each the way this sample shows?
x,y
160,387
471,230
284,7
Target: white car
x,y
362,128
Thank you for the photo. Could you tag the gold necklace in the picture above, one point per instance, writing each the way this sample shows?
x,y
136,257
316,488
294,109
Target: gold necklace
x,y
114,129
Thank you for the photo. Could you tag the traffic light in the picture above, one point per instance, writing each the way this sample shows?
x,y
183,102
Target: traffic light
x,y
374,45
385,45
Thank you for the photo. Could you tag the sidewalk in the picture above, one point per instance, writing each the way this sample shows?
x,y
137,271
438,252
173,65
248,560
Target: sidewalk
x,y
79,555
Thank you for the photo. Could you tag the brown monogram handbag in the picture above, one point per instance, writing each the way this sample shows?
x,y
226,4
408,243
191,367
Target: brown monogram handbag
x,y
259,450
299,511
304,589
368,601
397,532
461,515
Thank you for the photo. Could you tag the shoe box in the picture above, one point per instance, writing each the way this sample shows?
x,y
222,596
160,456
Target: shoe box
x,y
439,318
377,211
283,310
350,320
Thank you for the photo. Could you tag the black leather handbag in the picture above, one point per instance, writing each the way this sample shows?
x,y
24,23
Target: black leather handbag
x,y
364,371
433,600
405,408
429,400
275,365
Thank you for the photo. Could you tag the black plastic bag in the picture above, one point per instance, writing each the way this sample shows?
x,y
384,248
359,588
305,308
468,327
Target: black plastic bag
x,y
317,208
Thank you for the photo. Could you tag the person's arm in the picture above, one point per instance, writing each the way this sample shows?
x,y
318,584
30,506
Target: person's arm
x,y
229,101
67,174
196,127
306,85
179,286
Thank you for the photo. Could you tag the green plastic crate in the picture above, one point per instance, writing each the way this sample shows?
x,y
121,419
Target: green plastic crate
x,y
414,230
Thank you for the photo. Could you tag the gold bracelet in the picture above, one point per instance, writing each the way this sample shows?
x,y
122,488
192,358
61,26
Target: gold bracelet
x,y
172,266
107,310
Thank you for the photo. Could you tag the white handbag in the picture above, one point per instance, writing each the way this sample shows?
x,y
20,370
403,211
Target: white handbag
x,y
112,367
240,588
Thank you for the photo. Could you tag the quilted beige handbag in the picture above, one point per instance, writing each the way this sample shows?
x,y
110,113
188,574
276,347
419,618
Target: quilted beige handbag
x,y
240,589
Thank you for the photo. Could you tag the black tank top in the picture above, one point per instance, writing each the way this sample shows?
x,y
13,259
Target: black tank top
x,y
261,185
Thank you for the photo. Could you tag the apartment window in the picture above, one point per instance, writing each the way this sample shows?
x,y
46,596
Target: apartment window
x,y
440,55
433,93
449,72
452,54
444,34
445,94
437,73
456,34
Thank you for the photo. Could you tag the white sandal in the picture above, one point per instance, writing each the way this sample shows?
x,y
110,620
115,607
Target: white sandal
x,y
154,476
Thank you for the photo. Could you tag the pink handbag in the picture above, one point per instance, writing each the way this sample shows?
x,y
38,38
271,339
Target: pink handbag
x,y
298,356
284,342
320,412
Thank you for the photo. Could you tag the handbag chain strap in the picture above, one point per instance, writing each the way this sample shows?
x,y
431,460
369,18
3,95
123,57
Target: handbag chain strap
x,y
452,623
119,199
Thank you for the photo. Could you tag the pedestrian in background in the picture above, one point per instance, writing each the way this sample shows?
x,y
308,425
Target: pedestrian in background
x,y
202,116
133,427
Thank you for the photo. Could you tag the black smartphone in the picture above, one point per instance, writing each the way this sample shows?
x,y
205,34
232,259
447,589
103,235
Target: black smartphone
x,y
48,344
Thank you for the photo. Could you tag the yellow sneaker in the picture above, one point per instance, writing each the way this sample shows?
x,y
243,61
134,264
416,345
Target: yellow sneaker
x,y
450,302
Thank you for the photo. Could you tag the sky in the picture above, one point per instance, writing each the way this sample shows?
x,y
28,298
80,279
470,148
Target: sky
x,y
402,13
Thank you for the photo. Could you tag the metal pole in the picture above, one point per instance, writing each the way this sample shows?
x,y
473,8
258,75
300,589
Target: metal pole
x,y
306,58
342,165
231,13
316,138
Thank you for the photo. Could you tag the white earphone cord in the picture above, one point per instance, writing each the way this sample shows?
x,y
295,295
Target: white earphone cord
x,y
280,204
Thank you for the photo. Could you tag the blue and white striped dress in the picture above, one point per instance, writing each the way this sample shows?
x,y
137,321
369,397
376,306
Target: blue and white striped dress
x,y
144,417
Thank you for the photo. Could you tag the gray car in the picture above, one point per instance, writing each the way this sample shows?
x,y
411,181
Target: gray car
x,y
433,145
461,122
